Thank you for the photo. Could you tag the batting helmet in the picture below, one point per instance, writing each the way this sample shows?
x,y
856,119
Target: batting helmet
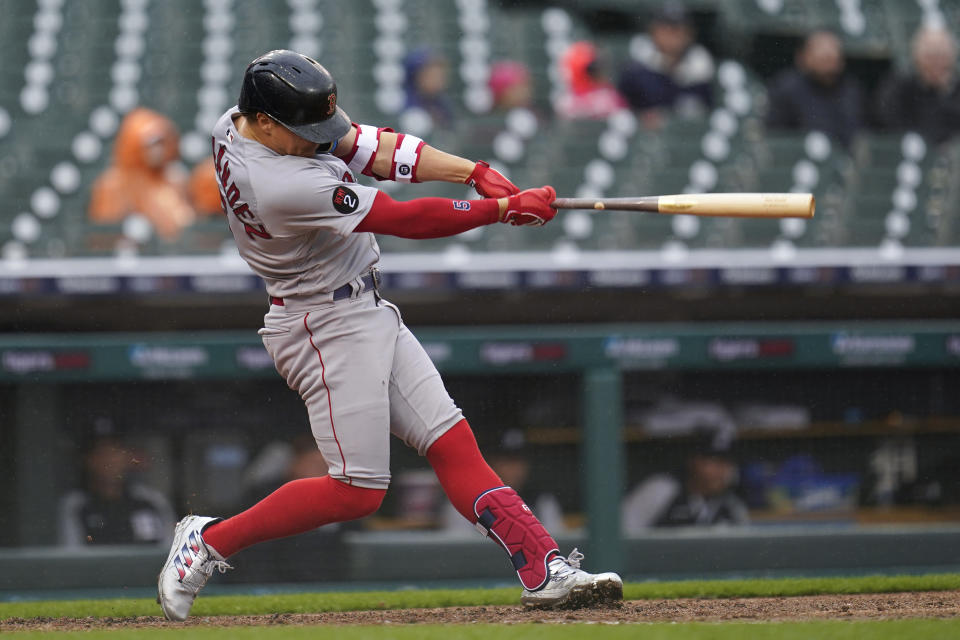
x,y
297,92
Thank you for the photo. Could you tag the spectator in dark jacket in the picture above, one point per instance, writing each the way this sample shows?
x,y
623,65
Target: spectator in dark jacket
x,y
927,99
703,494
669,70
817,95
427,83
113,507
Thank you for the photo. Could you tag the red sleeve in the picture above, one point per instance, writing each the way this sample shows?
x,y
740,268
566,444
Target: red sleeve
x,y
427,217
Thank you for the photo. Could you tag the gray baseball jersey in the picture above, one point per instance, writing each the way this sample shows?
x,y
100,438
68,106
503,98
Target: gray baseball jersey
x,y
360,371
293,217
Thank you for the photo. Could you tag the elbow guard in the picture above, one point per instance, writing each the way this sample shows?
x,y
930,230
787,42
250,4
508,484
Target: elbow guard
x,y
403,164
364,151
406,157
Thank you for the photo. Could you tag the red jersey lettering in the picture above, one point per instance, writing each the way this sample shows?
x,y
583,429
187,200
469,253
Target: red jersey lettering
x,y
256,232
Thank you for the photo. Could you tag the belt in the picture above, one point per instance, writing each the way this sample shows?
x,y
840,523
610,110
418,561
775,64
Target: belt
x,y
371,282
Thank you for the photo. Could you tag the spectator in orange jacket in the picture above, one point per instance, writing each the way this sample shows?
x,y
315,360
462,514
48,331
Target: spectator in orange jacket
x,y
203,188
145,177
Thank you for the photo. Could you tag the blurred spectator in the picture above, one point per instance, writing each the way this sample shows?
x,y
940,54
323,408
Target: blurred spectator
x,y
927,98
146,176
702,495
427,80
817,95
112,507
317,555
510,86
589,94
203,189
669,69
511,461
281,462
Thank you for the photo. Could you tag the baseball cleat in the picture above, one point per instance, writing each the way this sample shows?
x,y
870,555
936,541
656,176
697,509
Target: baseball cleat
x,y
569,587
190,564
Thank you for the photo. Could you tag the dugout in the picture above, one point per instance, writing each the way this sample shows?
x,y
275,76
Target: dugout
x,y
881,411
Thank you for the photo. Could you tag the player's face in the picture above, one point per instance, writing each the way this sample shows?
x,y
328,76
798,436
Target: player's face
x,y
289,143
271,133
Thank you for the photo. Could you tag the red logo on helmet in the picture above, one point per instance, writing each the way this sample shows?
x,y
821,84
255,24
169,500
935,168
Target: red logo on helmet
x,y
331,105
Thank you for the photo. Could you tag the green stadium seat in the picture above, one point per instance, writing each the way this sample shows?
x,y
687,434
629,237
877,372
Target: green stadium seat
x,y
754,233
854,190
778,150
205,236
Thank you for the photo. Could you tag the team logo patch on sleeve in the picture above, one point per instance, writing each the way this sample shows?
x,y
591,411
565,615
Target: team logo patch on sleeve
x,y
461,205
345,200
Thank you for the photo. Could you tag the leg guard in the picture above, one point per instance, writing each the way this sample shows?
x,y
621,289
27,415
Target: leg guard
x,y
503,516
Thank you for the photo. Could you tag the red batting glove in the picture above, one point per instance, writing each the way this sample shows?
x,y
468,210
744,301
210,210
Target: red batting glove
x,y
531,207
490,183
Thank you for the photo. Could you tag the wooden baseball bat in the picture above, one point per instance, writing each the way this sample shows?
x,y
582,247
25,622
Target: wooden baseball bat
x,y
738,205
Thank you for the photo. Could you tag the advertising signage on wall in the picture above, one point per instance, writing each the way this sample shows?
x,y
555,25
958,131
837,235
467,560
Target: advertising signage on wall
x,y
477,350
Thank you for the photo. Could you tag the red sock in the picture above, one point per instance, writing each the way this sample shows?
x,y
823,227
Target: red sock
x,y
461,469
298,506
465,475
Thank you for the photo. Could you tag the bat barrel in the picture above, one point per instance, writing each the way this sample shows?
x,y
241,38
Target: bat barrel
x,y
739,205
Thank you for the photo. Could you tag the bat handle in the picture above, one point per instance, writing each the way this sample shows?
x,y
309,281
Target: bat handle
x,y
643,203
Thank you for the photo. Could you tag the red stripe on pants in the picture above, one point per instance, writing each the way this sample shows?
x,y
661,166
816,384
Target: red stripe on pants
x,y
323,379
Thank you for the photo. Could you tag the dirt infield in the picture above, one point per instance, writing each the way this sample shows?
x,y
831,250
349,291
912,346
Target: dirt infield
x,y
935,604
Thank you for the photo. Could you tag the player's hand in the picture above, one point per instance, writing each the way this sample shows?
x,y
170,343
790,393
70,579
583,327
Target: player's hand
x,y
490,183
531,207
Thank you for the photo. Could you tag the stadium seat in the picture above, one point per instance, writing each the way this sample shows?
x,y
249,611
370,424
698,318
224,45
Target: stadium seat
x,y
856,190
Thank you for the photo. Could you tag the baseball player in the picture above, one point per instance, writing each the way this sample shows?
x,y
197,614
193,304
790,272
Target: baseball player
x,y
286,158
